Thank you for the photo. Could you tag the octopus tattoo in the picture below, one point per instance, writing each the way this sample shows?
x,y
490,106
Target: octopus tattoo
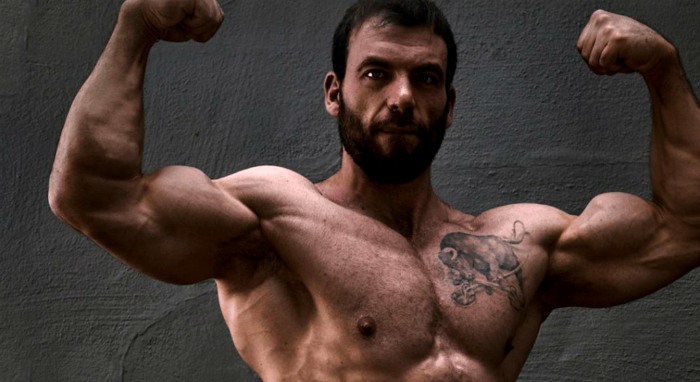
x,y
484,264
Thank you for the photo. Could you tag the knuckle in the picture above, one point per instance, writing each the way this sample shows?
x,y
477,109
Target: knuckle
x,y
609,30
599,14
616,37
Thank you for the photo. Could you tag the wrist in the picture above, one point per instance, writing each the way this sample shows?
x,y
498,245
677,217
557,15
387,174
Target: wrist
x,y
667,67
132,26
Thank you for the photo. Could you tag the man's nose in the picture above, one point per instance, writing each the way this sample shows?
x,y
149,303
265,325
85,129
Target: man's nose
x,y
400,95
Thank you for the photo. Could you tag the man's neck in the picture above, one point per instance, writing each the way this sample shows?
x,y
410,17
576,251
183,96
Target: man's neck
x,y
406,208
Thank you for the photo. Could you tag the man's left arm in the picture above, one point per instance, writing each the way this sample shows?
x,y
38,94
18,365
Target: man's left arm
x,y
623,247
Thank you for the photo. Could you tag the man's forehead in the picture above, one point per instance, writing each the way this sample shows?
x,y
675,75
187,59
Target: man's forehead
x,y
375,36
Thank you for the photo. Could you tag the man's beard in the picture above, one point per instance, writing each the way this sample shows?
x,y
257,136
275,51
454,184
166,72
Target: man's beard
x,y
405,159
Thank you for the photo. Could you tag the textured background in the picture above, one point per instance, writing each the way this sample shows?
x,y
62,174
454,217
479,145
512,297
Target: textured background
x,y
532,125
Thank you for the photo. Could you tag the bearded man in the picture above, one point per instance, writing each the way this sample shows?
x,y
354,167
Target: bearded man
x,y
368,275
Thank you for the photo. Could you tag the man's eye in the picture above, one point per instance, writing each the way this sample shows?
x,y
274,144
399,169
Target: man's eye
x,y
375,74
426,78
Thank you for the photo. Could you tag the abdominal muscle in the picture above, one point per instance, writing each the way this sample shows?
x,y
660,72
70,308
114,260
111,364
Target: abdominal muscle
x,y
447,364
325,361
318,363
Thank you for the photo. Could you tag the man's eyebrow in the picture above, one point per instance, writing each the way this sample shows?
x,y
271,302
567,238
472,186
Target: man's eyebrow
x,y
430,67
373,61
383,63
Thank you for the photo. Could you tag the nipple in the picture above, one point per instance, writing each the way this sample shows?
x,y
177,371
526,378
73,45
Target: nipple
x,y
366,326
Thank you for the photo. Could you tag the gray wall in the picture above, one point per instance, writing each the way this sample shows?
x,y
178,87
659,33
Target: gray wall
x,y
532,125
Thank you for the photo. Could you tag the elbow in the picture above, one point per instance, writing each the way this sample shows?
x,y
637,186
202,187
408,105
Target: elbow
x,y
64,201
59,200
55,197
54,203
59,207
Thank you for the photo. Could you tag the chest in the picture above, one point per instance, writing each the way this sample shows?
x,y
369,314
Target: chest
x,y
462,291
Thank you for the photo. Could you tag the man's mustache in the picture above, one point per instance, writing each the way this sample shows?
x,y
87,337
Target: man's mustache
x,y
399,123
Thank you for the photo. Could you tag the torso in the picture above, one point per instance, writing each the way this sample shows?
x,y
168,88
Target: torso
x,y
333,294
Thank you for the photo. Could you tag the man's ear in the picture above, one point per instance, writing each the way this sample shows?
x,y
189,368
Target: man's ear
x,y
331,87
451,99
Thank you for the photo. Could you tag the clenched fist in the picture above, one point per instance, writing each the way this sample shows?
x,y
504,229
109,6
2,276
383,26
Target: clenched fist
x,y
612,43
175,20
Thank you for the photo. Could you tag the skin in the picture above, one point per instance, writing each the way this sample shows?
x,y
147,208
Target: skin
x,y
353,280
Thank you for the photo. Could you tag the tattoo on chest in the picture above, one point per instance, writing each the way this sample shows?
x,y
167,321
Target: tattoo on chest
x,y
484,264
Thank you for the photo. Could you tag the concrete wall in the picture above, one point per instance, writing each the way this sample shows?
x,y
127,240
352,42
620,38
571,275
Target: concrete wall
x,y
532,125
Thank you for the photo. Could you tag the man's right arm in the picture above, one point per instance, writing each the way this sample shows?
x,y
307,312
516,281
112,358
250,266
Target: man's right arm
x,y
169,224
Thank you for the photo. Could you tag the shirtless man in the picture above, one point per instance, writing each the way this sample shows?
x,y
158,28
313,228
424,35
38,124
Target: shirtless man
x,y
368,276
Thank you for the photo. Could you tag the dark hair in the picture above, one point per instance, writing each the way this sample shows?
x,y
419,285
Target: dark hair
x,y
405,13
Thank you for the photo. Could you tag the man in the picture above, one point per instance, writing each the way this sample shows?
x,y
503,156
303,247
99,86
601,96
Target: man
x,y
368,275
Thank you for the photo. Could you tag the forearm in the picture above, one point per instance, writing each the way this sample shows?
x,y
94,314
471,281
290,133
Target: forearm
x,y
100,150
675,148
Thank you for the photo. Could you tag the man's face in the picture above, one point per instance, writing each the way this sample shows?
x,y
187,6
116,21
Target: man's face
x,y
393,107
396,159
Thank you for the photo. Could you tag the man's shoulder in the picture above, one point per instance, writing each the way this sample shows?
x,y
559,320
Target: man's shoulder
x,y
265,174
264,179
523,209
265,186
544,223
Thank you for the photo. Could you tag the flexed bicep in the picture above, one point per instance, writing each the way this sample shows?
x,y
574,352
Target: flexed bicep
x,y
620,248
168,224
175,227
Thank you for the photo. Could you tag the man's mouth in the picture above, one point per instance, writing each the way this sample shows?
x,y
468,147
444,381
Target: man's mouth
x,y
400,127
408,130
